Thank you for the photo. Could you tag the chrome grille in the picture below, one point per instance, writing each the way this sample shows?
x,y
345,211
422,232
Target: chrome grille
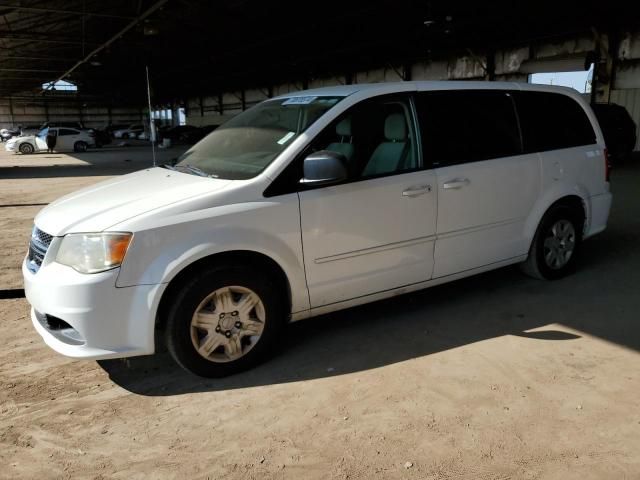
x,y
38,247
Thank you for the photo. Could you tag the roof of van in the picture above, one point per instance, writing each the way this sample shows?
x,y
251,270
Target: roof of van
x,y
390,87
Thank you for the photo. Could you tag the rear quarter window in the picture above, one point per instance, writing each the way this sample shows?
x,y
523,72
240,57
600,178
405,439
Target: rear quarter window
x,y
551,121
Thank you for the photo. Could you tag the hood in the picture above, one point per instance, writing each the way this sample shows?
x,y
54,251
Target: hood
x,y
98,207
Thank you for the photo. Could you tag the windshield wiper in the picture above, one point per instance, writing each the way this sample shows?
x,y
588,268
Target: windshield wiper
x,y
194,170
167,166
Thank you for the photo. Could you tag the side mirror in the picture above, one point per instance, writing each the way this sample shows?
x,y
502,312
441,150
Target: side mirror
x,y
323,168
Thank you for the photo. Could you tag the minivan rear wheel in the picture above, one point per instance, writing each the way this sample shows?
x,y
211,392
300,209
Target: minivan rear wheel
x,y
225,320
555,245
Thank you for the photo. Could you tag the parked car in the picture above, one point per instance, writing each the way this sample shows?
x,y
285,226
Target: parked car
x,y
177,133
131,131
73,124
68,139
8,133
313,202
102,137
113,127
618,128
198,134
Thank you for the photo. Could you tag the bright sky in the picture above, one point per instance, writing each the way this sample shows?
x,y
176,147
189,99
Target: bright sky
x,y
581,80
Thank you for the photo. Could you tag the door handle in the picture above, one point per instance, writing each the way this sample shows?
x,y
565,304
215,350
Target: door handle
x,y
455,184
416,190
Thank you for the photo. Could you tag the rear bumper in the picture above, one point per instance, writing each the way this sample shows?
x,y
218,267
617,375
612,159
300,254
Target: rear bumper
x,y
90,317
600,207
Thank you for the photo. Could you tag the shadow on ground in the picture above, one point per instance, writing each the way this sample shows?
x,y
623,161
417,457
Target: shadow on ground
x,y
600,299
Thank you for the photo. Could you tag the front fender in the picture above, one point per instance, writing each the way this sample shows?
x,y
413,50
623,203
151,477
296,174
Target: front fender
x,y
272,228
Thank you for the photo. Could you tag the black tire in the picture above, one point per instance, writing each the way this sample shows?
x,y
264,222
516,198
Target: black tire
x,y
80,147
536,265
26,148
192,294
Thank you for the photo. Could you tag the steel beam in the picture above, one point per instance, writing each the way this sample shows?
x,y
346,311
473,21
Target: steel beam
x,y
34,70
44,39
27,57
129,26
64,11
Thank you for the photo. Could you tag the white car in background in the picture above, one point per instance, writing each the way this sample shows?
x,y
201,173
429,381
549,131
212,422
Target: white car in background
x,y
69,139
131,132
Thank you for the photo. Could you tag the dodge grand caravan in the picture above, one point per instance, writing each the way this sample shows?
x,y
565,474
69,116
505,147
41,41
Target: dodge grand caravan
x,y
313,202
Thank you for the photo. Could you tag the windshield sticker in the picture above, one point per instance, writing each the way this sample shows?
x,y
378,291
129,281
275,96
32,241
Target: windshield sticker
x,y
286,138
299,101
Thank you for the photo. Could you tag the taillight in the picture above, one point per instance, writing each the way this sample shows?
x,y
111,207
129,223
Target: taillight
x,y
607,166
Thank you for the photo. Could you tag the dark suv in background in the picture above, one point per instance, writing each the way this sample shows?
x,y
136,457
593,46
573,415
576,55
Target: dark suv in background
x,y
618,128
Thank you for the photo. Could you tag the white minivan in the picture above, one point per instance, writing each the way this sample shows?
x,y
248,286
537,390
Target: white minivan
x,y
313,202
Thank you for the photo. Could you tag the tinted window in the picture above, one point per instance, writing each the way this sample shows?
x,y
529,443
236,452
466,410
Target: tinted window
x,y
467,126
376,138
64,131
552,121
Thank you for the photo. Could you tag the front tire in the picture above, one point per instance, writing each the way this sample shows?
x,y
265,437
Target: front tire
x,y
556,243
225,320
26,148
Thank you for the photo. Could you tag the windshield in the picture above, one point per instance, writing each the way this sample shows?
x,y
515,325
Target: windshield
x,y
245,145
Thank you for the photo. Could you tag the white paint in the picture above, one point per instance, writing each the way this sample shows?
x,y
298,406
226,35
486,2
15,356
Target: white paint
x,y
338,246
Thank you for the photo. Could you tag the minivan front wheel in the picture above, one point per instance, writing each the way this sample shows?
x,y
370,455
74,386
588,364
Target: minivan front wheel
x,y
554,248
224,321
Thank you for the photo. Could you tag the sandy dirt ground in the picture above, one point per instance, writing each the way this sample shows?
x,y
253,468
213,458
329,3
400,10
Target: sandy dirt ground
x,y
493,377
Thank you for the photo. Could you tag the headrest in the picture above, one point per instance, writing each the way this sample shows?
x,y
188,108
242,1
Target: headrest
x,y
395,128
343,128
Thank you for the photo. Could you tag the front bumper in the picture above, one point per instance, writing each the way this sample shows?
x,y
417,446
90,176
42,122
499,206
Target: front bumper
x,y
10,147
104,321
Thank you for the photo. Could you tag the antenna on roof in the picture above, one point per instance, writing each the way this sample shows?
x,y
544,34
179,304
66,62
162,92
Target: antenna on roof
x,y
151,122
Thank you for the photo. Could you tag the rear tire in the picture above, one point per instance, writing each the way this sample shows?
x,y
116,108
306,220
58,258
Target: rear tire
x,y
225,320
26,148
80,147
555,246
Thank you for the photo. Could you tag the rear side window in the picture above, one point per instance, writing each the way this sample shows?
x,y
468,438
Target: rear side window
x,y
64,131
551,121
467,126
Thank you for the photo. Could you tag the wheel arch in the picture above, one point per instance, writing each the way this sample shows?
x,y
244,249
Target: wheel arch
x,y
234,257
573,199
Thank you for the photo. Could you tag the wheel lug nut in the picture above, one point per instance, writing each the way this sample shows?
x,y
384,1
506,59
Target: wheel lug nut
x,y
218,329
227,334
222,315
238,324
234,314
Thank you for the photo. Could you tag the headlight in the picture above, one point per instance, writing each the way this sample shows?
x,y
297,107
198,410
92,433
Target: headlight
x,y
93,252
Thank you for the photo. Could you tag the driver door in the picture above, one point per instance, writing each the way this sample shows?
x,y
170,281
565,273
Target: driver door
x,y
376,231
